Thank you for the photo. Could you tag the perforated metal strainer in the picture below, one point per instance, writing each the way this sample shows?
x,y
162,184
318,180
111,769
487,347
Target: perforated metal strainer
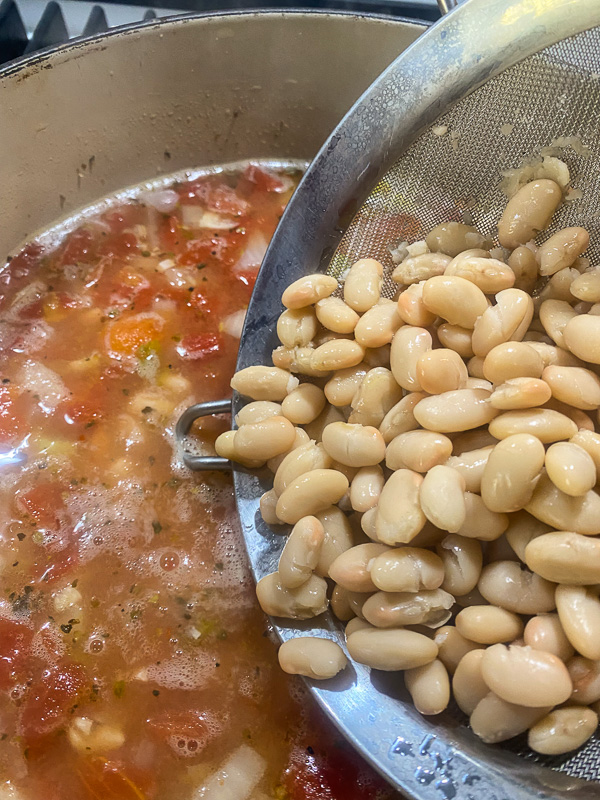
x,y
506,80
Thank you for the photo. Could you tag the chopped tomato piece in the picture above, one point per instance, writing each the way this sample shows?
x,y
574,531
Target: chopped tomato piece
x,y
61,561
119,245
125,217
44,502
200,346
215,195
128,334
15,641
204,301
50,700
81,412
169,232
25,261
79,247
111,780
264,180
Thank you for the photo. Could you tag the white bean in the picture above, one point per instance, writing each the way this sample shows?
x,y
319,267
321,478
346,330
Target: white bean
x,y
301,552
318,659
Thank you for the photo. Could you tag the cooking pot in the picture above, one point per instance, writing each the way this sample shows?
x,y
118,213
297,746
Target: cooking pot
x,y
85,119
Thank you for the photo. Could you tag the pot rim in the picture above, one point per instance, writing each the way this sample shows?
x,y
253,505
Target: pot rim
x,y
39,59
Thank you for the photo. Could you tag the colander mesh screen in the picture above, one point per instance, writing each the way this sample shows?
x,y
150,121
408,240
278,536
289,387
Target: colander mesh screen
x,y
550,96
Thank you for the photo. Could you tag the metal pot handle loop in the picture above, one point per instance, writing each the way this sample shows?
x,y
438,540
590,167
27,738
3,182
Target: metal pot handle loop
x,y
184,424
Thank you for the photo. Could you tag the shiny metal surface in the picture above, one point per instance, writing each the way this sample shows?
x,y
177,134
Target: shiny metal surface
x,y
439,757
184,424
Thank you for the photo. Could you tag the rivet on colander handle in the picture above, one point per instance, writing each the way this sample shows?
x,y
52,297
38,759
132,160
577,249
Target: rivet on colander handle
x,y
184,424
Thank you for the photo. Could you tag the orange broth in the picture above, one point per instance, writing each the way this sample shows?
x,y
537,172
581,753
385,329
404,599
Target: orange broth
x,y
133,657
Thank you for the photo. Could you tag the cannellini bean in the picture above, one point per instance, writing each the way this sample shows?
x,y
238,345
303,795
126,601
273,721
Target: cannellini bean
x,y
586,287
456,338
337,354
526,677
315,658
570,468
376,395
429,687
351,569
508,320
518,393
301,552
367,524
335,315
225,447
378,325
340,604
565,557
471,465
559,286
453,647
441,370
329,415
268,504
494,720
264,383
354,445
522,529
366,487
480,522
300,460
399,515
455,299
562,730
296,359
442,498
488,624
511,472
300,439
400,418
338,537
468,686
544,423
408,345
418,450
574,386
258,411
554,356
397,609
460,410
411,308
343,385
509,585
528,212
264,440
308,600
590,442
310,493
308,290
555,315
563,512
303,404
415,269
296,328
454,237
362,287
579,613
585,675
407,569
357,624
544,632
488,274
391,650
462,561
582,337
475,370
524,265
562,250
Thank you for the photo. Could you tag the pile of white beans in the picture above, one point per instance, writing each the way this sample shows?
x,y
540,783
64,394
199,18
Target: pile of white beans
x,y
438,466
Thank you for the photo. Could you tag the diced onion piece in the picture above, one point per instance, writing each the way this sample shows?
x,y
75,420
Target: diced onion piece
x,y
163,200
43,382
236,778
198,217
234,323
254,253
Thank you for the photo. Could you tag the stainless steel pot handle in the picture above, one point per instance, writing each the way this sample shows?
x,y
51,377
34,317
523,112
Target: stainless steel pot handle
x,y
185,422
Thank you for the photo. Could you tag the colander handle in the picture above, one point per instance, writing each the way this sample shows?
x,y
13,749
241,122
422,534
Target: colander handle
x,y
185,422
447,5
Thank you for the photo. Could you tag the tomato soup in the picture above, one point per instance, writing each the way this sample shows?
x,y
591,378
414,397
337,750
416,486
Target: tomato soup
x,y
134,661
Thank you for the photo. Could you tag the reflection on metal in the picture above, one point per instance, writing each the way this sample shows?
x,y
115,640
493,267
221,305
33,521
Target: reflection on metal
x,y
184,424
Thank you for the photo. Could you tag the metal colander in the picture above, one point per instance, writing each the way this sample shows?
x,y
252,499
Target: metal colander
x,y
507,79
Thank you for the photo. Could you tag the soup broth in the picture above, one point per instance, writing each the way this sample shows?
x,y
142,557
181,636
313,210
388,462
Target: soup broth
x,y
134,661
